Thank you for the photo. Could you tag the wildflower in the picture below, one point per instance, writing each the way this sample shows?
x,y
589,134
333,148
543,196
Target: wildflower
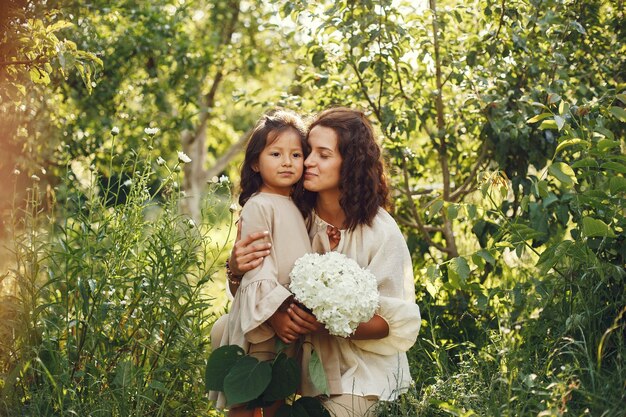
x,y
151,131
183,194
16,171
128,183
183,158
224,179
160,161
115,131
233,208
35,177
191,223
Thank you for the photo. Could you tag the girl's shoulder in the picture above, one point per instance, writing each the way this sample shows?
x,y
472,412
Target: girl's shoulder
x,y
267,202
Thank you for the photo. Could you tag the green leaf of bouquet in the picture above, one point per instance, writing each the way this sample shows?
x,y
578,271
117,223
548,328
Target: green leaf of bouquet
x,y
285,378
318,375
563,173
596,228
621,97
219,364
246,380
313,407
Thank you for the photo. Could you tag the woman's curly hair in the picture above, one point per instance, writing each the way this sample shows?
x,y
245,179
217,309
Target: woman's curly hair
x,y
266,131
362,183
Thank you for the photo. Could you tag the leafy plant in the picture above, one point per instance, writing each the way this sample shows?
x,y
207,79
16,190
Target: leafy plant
x,y
246,380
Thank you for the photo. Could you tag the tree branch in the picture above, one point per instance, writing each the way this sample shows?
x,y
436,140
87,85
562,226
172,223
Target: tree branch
x,y
457,194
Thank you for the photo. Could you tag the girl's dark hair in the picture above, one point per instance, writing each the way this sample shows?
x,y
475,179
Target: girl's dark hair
x,y
362,183
267,129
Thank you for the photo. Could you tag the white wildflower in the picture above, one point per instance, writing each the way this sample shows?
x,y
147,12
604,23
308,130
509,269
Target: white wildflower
x,y
35,177
191,223
151,131
160,161
128,183
16,171
183,194
115,131
224,179
183,158
215,180
338,291
233,208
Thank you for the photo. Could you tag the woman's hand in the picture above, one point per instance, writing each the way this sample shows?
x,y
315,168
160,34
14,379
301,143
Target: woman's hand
x,y
284,327
248,253
305,320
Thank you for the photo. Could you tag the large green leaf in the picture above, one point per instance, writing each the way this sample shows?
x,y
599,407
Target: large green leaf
x,y
219,364
247,379
596,228
563,173
285,378
318,375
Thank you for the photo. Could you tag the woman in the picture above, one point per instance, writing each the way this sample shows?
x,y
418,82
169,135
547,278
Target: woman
x,y
344,170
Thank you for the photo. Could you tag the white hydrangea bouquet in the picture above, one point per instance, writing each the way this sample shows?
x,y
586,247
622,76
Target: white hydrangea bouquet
x,y
336,289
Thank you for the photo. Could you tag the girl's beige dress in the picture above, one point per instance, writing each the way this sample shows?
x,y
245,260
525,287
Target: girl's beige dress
x,y
265,288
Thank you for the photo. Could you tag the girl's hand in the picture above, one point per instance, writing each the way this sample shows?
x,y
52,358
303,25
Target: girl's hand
x,y
286,329
305,320
248,253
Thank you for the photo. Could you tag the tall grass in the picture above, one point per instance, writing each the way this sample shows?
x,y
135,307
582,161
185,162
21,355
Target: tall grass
x,y
109,313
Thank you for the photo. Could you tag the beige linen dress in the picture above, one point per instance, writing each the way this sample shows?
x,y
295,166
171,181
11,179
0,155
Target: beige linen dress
x,y
376,368
265,288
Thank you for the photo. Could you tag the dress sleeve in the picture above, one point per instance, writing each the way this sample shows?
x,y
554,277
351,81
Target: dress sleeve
x,y
391,264
260,292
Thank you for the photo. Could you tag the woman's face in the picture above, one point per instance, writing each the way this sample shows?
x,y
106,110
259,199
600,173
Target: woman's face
x,y
323,165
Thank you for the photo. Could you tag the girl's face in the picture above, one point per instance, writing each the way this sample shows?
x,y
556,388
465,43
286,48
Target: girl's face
x,y
281,163
323,165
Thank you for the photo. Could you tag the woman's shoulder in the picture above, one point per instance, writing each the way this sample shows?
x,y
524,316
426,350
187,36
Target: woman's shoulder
x,y
383,221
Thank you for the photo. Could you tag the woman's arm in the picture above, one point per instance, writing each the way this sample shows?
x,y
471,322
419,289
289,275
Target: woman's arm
x,y
375,328
248,253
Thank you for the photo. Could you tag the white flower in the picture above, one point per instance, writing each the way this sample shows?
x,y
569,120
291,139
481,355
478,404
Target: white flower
x,y
233,208
339,292
16,171
151,131
183,158
191,223
35,177
160,161
128,183
224,179
115,131
214,179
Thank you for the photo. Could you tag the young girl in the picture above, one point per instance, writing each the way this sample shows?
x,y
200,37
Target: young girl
x,y
271,188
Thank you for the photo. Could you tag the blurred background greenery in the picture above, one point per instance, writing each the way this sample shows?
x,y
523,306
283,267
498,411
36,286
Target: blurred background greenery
x,y
503,128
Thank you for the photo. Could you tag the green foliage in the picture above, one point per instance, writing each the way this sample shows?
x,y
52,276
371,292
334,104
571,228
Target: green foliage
x,y
113,316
